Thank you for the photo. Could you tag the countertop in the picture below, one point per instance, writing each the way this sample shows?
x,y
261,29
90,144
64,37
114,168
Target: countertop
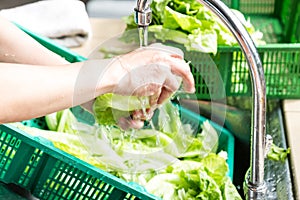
x,y
291,110
104,29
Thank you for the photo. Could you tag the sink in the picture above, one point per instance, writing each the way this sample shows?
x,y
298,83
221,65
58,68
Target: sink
x,y
234,113
277,174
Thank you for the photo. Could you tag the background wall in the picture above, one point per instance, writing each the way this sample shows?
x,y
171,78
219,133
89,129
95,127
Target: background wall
x,y
110,8
14,3
95,8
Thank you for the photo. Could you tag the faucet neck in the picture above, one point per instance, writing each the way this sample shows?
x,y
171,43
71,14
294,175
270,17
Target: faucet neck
x,y
143,5
143,13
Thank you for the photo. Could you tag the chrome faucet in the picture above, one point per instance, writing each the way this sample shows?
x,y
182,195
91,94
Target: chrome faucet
x,y
143,17
255,187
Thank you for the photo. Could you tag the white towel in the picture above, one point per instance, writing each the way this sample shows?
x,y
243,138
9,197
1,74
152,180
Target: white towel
x,y
65,21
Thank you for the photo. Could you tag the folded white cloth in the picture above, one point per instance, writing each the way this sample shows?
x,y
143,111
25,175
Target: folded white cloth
x,y
65,21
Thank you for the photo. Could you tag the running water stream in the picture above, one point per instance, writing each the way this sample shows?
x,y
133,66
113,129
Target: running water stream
x,y
143,36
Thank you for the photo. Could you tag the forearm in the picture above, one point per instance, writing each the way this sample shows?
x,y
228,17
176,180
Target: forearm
x,y
30,91
18,47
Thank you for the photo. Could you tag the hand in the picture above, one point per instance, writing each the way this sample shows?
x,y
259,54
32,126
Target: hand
x,y
150,71
155,71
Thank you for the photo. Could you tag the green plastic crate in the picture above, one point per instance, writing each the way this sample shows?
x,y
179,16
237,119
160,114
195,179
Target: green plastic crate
x,y
52,46
33,163
227,73
279,20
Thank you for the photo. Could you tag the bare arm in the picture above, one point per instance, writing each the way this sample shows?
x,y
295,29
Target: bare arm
x,y
30,91
36,82
18,47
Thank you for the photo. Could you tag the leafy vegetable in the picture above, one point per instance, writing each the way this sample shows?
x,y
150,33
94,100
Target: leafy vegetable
x,y
60,121
169,118
188,179
68,142
278,154
108,108
189,23
171,162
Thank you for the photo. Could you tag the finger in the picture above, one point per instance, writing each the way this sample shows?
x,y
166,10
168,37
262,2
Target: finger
x,y
172,83
123,123
126,123
148,79
88,106
179,67
176,56
150,112
165,94
136,124
143,115
182,69
154,98
148,89
138,115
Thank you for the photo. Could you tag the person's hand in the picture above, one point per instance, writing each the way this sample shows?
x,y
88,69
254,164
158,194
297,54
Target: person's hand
x,y
156,71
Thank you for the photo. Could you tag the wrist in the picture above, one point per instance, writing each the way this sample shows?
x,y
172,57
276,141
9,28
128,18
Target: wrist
x,y
112,74
97,76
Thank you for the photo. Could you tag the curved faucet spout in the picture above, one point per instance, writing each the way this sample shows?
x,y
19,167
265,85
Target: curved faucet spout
x,y
254,183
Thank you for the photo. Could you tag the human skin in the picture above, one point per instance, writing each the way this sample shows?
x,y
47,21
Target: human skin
x,y
36,81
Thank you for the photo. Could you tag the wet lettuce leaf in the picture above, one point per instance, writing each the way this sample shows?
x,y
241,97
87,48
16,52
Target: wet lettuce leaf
x,y
108,108
60,121
171,162
189,179
277,153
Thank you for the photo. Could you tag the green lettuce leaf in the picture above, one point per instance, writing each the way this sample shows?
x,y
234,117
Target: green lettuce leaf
x,y
171,162
216,167
169,118
229,191
175,20
190,24
189,179
183,142
61,121
277,153
108,108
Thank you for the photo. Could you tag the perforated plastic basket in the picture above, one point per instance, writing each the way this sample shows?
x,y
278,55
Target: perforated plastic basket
x,y
35,164
230,77
49,173
279,20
